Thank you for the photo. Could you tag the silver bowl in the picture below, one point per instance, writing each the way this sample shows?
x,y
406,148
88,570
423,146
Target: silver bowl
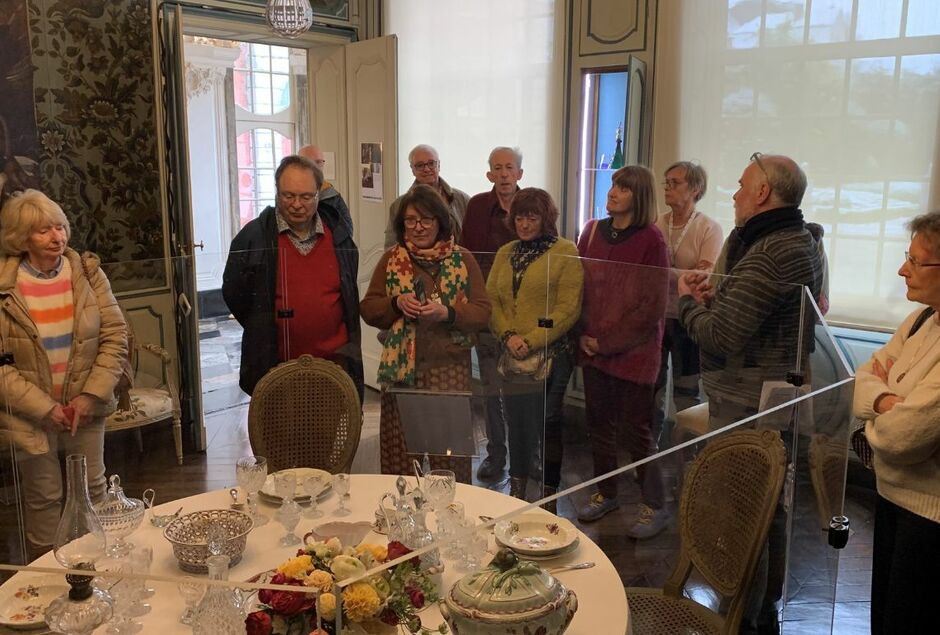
x,y
188,533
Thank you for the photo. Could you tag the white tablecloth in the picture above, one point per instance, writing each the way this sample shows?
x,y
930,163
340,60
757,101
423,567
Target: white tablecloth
x,y
602,604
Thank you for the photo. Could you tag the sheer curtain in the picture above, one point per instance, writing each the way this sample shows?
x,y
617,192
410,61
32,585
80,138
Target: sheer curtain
x,y
848,88
475,75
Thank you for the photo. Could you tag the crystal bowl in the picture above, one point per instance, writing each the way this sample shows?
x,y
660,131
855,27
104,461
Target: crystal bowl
x,y
120,520
188,533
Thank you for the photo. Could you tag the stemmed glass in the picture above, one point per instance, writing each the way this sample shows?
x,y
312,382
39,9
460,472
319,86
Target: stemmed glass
x,y
449,522
440,486
341,485
251,472
192,592
288,514
140,560
472,546
313,485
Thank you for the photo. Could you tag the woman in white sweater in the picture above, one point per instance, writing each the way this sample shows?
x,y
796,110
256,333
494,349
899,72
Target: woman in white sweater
x,y
897,392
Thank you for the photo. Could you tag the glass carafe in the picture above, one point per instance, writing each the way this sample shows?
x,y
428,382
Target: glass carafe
x,y
79,543
220,611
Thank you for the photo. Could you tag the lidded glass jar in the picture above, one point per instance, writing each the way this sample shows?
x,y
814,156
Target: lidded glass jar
x,y
220,611
120,516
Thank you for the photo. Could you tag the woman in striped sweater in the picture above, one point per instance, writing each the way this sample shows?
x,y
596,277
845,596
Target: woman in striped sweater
x,y
64,330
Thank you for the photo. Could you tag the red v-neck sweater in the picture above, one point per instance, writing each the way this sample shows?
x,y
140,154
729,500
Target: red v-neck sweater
x,y
309,286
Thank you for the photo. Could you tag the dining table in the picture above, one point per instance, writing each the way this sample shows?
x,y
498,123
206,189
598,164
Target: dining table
x,y
602,602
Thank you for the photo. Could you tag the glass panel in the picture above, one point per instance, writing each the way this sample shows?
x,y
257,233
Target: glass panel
x,y
830,21
922,18
878,19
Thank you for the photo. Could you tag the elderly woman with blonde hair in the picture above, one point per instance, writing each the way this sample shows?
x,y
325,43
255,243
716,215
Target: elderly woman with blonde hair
x,y
65,344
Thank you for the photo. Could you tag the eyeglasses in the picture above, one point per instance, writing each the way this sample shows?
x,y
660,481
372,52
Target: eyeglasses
x,y
913,262
424,165
756,159
672,183
427,223
290,197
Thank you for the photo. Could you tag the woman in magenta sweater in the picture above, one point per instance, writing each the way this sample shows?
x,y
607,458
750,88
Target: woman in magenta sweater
x,y
626,268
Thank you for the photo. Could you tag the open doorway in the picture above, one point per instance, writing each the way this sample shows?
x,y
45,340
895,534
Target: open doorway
x,y
246,110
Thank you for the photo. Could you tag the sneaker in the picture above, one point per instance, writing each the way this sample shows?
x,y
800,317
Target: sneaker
x,y
597,508
490,468
649,522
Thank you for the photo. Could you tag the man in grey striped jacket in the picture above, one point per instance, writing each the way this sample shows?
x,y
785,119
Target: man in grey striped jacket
x,y
748,325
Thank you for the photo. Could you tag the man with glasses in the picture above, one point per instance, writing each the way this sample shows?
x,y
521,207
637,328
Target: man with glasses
x,y
486,229
426,167
756,325
290,279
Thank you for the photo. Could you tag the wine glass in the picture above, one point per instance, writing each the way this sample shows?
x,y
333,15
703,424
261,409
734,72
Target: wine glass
x,y
440,486
251,473
313,485
140,560
192,591
288,514
341,485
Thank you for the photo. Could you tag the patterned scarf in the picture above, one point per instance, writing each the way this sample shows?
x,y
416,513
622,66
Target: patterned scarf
x,y
397,365
524,254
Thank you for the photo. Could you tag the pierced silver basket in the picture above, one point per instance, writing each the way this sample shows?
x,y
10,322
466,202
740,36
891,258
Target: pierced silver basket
x,y
188,534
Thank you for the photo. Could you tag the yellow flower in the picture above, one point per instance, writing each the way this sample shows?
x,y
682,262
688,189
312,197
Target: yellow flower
x,y
318,579
379,552
328,606
296,568
360,601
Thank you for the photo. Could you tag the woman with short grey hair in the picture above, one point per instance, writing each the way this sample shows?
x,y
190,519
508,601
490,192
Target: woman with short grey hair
x,y
63,329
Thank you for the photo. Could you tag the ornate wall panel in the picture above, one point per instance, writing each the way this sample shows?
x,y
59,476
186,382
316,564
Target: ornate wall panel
x,y
94,94
612,27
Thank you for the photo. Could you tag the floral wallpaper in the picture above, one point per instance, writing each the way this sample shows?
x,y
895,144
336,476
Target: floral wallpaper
x,y
93,84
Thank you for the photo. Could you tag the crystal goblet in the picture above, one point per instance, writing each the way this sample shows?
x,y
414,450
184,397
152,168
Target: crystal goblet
x,y
341,485
251,473
313,485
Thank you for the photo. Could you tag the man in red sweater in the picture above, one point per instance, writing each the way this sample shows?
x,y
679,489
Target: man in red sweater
x,y
485,230
290,279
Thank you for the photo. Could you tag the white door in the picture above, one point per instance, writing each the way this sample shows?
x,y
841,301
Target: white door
x,y
354,101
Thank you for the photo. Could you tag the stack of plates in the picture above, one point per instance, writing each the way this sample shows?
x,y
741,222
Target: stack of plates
x,y
300,494
537,536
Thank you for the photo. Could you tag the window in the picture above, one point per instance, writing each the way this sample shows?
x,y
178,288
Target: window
x,y
848,88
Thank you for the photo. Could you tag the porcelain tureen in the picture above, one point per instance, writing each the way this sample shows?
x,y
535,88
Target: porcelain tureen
x,y
511,597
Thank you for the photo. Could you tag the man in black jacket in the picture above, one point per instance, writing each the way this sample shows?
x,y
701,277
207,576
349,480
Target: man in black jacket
x,y
290,279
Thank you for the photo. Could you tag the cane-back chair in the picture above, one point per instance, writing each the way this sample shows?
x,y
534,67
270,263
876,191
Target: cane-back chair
x,y
305,413
728,501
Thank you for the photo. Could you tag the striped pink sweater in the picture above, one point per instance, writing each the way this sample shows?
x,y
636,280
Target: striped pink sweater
x,y
52,309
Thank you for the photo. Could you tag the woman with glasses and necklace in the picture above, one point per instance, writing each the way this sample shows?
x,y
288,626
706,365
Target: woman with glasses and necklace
x,y
897,394
537,276
625,288
430,296
693,241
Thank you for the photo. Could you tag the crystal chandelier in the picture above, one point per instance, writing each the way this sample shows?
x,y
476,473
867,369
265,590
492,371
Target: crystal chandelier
x,y
289,18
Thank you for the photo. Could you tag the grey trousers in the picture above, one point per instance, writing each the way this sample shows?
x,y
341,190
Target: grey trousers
x,y
487,356
41,479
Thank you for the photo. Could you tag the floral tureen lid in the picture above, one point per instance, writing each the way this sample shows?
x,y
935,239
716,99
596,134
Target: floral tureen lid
x,y
507,587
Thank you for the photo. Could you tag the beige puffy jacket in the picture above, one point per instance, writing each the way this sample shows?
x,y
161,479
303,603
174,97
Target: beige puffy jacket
x,y
99,351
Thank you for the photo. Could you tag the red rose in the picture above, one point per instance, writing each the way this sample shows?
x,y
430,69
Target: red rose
x,y
389,617
416,596
289,604
258,623
396,550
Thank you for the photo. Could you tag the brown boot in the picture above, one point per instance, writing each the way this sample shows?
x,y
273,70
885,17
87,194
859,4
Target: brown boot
x,y
550,506
517,486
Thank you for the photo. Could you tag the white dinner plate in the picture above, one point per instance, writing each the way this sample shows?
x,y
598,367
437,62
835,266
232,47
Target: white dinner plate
x,y
551,556
22,607
300,494
536,534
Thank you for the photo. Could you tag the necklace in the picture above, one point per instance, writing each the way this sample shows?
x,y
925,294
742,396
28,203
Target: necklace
x,y
932,337
674,244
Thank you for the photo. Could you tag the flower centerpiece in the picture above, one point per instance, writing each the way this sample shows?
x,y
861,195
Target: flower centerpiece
x,y
392,597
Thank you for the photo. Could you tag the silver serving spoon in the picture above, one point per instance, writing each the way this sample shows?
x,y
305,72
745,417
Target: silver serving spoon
x,y
571,567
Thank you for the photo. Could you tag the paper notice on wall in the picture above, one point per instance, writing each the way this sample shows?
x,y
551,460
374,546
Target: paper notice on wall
x,y
370,167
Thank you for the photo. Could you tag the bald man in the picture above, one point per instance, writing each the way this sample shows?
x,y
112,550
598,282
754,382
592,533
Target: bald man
x,y
328,194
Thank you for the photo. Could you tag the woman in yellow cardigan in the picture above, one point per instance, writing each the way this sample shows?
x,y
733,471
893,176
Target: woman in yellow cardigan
x,y
538,276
